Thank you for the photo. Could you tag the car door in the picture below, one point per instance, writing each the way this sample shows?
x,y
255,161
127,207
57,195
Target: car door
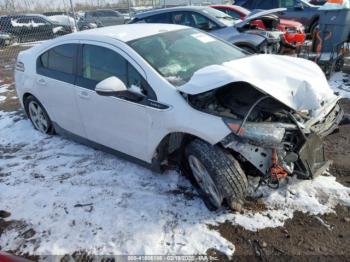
x,y
56,75
295,11
112,121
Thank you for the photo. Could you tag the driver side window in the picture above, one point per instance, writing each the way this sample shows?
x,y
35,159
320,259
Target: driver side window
x,y
202,22
100,63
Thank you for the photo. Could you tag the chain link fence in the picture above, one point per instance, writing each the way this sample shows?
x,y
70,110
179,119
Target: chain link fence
x,y
25,23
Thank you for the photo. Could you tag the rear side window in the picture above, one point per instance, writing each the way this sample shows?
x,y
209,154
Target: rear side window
x,y
60,58
160,18
59,63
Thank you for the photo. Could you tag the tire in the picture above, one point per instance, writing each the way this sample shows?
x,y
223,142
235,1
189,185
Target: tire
x,y
38,115
222,169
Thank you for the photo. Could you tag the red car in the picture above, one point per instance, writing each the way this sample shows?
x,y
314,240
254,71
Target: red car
x,y
293,31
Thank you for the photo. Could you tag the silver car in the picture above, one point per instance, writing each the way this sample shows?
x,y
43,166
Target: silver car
x,y
105,17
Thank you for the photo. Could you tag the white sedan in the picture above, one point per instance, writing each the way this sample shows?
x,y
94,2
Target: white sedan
x,y
167,95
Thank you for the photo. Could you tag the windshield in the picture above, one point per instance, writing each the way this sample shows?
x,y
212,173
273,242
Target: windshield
x,y
221,16
306,3
177,55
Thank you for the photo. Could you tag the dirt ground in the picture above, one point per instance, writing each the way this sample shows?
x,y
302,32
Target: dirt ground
x,y
304,238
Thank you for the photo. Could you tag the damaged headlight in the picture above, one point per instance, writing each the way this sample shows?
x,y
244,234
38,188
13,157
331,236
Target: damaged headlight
x,y
260,134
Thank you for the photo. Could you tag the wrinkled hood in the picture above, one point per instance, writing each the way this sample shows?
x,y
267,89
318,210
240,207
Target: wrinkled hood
x,y
298,83
255,15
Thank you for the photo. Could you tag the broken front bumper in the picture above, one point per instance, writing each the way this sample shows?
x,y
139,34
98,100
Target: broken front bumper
x,y
312,161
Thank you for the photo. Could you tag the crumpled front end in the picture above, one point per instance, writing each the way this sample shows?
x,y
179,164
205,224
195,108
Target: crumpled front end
x,y
279,149
273,138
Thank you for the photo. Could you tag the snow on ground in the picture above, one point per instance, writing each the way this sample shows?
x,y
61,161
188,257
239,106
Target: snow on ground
x,y
78,198
340,83
4,88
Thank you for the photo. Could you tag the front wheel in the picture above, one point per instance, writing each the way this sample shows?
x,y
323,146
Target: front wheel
x,y
38,116
218,175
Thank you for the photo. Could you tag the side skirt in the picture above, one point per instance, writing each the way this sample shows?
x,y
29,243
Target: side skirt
x,y
154,166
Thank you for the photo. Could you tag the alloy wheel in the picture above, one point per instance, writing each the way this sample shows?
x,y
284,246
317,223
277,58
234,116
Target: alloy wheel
x,y
204,180
38,117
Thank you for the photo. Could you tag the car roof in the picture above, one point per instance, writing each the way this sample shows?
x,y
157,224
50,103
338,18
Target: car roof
x,y
127,32
171,9
99,10
23,16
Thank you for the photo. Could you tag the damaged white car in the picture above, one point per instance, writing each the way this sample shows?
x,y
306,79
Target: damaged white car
x,y
171,96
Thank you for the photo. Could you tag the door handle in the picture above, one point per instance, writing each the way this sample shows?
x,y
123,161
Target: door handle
x,y
84,95
42,82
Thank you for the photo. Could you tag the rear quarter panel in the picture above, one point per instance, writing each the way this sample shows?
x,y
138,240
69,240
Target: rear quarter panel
x,y
25,80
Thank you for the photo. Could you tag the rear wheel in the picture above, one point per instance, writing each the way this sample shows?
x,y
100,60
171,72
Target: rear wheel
x,y
38,115
218,175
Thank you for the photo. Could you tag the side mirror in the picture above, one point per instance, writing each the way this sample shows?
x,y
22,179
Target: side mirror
x,y
299,6
111,86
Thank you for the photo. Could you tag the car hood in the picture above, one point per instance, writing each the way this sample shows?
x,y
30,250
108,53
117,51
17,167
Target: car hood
x,y
255,15
298,83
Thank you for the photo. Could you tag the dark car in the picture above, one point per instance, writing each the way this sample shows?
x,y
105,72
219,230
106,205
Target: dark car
x,y
297,10
318,2
105,17
32,27
214,22
6,39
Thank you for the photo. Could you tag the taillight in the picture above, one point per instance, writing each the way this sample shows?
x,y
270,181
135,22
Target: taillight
x,y
20,66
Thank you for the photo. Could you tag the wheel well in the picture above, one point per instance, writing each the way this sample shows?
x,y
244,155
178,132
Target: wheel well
x,y
171,148
25,97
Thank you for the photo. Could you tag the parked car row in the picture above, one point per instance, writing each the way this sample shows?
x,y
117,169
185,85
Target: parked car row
x,y
297,10
36,27
216,23
24,28
294,34
297,18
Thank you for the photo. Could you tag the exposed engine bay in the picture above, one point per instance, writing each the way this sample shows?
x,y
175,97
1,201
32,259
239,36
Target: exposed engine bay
x,y
266,133
270,31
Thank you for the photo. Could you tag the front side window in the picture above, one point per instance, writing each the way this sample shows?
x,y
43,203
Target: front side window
x,y
177,55
100,63
221,16
106,13
232,13
40,21
202,22
60,58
